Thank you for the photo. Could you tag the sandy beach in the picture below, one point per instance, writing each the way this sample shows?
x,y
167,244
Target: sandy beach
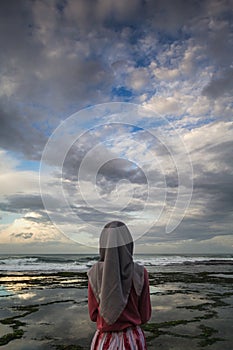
x,y
192,308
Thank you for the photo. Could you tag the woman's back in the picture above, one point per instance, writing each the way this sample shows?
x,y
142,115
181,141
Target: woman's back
x,y
118,290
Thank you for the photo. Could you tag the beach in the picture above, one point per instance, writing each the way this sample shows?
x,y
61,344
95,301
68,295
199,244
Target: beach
x,y
44,303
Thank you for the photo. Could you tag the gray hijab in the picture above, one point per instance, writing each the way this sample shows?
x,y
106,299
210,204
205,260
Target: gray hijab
x,y
112,277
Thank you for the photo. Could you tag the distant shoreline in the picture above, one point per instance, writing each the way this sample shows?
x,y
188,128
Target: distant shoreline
x,y
45,263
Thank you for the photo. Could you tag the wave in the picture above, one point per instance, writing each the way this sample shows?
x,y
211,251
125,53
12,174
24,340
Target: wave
x,y
166,260
46,263
84,262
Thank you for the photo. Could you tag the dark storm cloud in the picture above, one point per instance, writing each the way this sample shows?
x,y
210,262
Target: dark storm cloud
x,y
24,204
210,213
163,14
58,56
18,134
82,213
216,186
118,169
217,44
38,84
21,203
217,190
110,172
92,215
20,56
220,86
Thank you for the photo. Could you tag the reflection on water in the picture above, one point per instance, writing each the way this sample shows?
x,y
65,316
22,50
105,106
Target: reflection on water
x,y
20,283
4,292
49,309
162,308
53,310
25,296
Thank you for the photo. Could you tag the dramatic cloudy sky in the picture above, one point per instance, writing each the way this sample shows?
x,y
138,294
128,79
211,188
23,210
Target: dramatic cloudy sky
x,y
161,73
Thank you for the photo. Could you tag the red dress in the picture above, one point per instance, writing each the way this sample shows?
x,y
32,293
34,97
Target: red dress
x,y
137,310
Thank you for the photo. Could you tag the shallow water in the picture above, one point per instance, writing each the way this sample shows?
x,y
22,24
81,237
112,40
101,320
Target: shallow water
x,y
192,308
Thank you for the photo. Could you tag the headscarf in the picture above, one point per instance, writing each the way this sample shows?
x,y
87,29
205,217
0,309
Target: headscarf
x,y
111,278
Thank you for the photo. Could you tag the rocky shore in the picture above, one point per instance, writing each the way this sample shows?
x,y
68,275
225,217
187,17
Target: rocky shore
x,y
192,308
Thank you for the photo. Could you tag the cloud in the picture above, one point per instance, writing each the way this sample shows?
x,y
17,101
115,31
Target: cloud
x,y
220,86
22,230
20,203
16,181
175,58
165,105
18,134
26,235
212,187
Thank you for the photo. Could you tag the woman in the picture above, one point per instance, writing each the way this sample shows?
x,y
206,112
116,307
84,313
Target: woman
x,y
118,293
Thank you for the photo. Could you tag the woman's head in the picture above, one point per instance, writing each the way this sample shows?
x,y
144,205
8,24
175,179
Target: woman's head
x,y
113,224
115,235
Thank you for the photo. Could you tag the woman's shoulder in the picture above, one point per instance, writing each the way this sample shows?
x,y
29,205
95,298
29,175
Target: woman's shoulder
x,y
96,268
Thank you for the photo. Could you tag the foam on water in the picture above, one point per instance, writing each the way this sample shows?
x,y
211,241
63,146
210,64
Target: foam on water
x,y
82,263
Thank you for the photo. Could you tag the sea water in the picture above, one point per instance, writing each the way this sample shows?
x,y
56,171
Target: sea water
x,y
81,262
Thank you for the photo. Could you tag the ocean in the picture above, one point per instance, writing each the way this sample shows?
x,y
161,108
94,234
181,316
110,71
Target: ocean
x,y
81,263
